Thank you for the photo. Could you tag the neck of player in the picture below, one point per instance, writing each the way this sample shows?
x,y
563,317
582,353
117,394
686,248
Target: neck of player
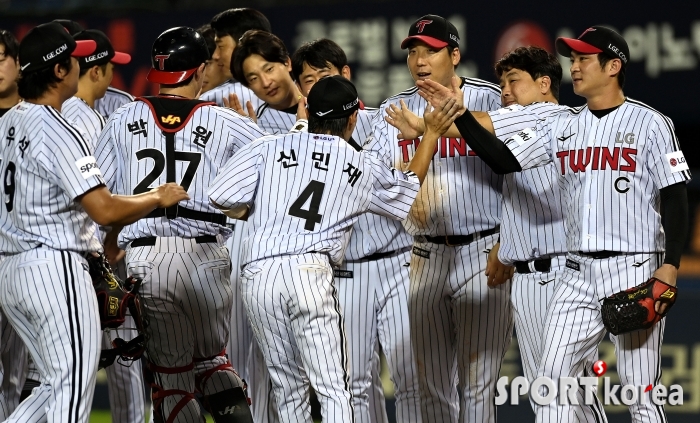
x,y
9,98
86,91
605,99
186,91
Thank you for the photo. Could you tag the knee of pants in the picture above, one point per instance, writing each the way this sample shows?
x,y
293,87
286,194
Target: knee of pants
x,y
172,393
216,374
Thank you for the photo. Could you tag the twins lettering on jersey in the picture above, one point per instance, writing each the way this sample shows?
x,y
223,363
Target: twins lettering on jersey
x,y
598,158
447,147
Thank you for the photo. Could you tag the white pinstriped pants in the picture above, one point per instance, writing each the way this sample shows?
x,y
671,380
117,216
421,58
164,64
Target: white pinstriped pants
x,y
531,296
48,297
295,314
460,328
574,329
13,367
374,301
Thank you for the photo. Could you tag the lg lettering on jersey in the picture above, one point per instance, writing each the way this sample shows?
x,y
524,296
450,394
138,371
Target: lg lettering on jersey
x,y
598,158
447,147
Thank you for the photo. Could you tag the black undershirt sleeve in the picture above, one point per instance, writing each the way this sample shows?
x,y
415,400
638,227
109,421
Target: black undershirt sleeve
x,y
486,146
674,214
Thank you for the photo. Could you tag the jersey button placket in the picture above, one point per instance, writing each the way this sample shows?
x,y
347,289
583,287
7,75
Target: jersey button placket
x,y
589,195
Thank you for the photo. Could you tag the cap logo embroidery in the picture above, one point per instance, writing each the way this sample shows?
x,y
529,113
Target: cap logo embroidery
x,y
161,60
421,24
25,66
55,53
324,113
96,56
351,104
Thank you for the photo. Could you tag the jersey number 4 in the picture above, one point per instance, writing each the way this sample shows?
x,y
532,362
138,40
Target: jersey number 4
x,y
314,191
192,160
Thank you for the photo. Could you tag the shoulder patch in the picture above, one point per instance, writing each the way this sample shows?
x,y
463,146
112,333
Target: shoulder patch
x,y
88,167
676,161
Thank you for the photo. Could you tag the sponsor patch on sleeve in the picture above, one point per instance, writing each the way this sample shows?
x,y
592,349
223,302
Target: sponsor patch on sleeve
x,y
522,137
509,109
88,167
676,161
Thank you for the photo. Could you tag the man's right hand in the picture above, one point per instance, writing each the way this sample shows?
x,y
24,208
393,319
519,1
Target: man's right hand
x,y
234,103
170,194
410,126
437,94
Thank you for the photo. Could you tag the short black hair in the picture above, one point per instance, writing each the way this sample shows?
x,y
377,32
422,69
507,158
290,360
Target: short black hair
x,y
33,85
235,22
534,60
207,32
263,43
10,42
603,59
318,54
328,126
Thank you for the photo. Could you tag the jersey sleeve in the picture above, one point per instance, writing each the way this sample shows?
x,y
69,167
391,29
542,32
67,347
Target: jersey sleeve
x,y
664,158
377,142
107,155
237,182
68,155
242,130
532,146
393,191
507,121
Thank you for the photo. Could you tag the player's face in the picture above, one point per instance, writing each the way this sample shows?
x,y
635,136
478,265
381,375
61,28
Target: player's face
x,y
270,81
425,62
9,72
310,75
518,87
587,76
213,76
222,54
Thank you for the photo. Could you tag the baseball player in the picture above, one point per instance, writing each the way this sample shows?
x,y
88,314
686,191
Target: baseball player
x,y
460,328
229,26
296,234
533,235
54,194
372,283
179,252
618,163
213,74
112,100
12,350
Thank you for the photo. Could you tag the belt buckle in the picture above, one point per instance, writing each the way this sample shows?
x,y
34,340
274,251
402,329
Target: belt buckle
x,y
447,242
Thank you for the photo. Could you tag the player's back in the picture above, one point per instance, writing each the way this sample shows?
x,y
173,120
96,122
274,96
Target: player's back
x,y
113,99
172,140
310,189
46,164
78,112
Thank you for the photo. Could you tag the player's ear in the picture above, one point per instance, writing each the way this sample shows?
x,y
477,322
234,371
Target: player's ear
x,y
288,64
545,84
456,56
345,72
614,67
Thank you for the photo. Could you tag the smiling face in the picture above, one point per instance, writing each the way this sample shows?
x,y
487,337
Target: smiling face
x,y
426,62
310,75
222,54
270,81
518,87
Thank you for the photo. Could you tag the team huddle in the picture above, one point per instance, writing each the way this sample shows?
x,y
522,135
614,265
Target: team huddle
x,y
277,235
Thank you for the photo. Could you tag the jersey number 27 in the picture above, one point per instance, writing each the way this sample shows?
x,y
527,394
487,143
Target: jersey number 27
x,y
158,157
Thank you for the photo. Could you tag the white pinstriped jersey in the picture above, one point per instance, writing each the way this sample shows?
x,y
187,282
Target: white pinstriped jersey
x,y
461,194
46,164
373,233
132,150
112,100
244,94
306,191
532,224
78,112
610,172
276,121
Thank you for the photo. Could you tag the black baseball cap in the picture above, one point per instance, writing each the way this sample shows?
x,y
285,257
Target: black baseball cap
x,y
596,39
104,53
434,30
49,43
72,27
333,97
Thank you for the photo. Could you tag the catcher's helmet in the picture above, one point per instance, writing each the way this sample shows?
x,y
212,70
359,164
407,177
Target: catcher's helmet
x,y
176,54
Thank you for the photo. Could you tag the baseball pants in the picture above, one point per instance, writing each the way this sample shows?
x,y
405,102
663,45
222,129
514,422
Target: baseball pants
x,y
460,328
295,315
574,329
186,304
374,300
60,327
13,367
531,296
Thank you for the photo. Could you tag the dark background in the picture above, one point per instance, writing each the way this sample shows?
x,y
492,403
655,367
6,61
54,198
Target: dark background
x,y
664,72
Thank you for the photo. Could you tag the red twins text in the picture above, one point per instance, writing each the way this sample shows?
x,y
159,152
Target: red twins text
x,y
598,158
447,147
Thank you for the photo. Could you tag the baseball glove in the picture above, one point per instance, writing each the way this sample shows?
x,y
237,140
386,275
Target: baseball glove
x,y
634,308
112,299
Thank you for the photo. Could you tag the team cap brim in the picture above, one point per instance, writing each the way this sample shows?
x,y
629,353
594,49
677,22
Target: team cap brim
x,y
121,58
566,45
430,41
84,48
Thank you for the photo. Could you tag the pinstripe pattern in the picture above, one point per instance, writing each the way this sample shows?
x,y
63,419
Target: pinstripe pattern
x,y
295,314
51,173
81,115
117,149
574,328
450,354
256,176
113,99
592,204
63,339
13,366
221,92
276,121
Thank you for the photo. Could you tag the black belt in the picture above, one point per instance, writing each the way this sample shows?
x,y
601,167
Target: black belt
x,y
378,256
151,240
541,265
454,240
185,213
600,254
